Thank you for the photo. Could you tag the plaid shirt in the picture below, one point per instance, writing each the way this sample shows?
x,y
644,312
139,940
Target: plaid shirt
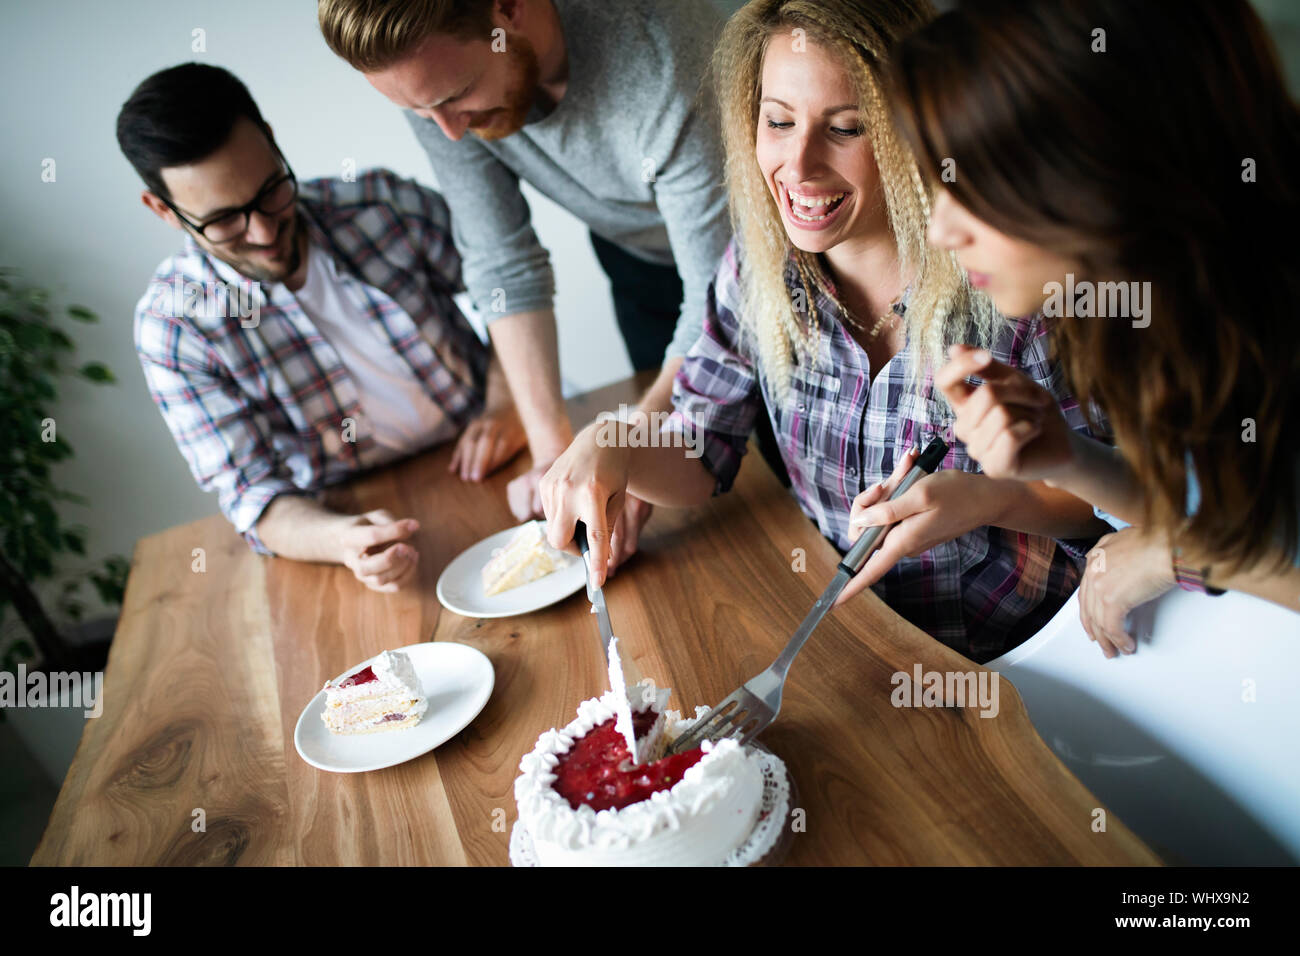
x,y
841,432
254,395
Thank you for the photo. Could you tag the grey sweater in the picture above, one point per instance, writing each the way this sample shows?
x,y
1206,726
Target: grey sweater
x,y
632,150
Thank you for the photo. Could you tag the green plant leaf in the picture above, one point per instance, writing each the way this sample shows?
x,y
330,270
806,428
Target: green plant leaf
x,y
97,372
31,338
34,338
111,583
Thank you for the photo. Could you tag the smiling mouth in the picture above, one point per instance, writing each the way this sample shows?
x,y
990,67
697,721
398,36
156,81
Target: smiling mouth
x,y
811,208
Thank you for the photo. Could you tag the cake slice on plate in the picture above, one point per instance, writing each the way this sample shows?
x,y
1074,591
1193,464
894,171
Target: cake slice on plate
x,y
525,559
384,695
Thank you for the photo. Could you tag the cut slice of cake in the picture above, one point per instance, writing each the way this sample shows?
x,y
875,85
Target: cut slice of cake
x,y
525,559
384,695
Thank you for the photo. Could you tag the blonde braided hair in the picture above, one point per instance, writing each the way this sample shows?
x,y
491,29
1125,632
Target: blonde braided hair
x,y
942,301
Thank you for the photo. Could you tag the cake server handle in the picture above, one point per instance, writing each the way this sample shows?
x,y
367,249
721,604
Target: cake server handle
x,y
580,536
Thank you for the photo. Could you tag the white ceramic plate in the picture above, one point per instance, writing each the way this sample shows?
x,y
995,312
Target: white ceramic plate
x,y
456,678
460,588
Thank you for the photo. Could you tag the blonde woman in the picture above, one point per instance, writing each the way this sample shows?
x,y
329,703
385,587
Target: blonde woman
x,y
828,313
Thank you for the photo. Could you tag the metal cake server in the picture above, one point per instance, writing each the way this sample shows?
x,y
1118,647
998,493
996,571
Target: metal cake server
x,y
752,707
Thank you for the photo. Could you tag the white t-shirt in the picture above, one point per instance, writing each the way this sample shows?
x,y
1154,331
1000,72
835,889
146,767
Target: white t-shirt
x,y
398,413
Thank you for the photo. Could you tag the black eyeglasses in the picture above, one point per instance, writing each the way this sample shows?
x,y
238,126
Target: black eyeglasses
x,y
275,197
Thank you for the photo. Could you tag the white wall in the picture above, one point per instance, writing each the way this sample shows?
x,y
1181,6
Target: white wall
x,y
66,66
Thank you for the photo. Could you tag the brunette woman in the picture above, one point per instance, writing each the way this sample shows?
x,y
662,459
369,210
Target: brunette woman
x,y
1148,149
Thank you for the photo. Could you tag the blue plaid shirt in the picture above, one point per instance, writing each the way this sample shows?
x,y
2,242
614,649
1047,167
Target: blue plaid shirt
x,y
842,431
257,400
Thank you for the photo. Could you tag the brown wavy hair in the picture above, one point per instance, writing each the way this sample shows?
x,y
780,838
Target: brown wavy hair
x,y
1124,135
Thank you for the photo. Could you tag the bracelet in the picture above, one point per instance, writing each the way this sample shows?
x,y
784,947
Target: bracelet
x,y
1191,578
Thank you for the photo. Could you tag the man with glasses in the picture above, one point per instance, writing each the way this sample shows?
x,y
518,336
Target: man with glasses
x,y
306,332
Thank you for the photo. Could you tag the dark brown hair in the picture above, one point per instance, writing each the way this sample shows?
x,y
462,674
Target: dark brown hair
x,y
1123,134
181,115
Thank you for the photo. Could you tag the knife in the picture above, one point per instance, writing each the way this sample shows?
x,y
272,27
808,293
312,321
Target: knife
x,y
596,596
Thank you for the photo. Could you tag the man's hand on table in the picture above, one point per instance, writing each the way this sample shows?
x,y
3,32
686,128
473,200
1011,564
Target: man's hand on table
x,y
522,493
488,442
375,548
493,438
547,443
373,545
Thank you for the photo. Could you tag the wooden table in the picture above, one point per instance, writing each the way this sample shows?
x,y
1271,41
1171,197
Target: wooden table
x,y
210,670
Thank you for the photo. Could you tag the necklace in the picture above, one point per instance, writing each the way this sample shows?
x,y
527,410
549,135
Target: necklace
x,y
890,316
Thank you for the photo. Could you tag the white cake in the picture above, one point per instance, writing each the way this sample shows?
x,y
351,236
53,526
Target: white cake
x,y
384,695
525,559
698,821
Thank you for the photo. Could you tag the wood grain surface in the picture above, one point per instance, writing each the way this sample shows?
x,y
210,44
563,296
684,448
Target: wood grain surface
x,y
210,670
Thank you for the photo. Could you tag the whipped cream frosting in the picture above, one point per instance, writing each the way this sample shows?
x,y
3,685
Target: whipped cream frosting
x,y
396,689
696,822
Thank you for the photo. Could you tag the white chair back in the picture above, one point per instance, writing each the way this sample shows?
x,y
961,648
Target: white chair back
x,y
1194,740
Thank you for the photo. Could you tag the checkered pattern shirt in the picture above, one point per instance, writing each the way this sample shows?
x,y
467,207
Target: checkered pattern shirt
x,y
840,432
255,397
